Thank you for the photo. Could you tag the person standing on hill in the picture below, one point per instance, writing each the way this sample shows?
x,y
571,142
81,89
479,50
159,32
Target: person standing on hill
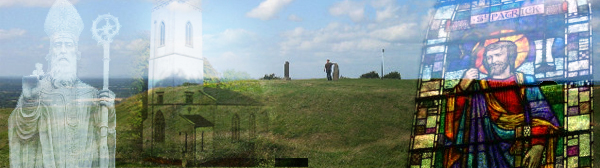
x,y
328,69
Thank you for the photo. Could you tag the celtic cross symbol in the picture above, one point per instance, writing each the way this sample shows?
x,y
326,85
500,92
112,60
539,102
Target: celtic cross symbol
x,y
105,33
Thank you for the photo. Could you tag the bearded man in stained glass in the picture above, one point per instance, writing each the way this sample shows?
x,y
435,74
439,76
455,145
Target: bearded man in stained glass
x,y
500,121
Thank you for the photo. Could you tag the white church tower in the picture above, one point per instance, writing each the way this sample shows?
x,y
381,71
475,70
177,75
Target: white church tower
x,y
176,44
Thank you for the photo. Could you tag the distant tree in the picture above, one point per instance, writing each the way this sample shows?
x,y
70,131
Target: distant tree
x,y
140,53
370,75
392,75
270,77
211,75
233,75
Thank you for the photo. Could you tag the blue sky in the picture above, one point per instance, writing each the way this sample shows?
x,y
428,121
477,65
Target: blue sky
x,y
254,36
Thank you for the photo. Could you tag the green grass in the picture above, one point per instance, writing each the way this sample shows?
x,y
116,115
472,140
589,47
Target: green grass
x,y
346,123
4,154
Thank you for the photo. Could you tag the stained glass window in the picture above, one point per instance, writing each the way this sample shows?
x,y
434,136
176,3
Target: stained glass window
x,y
505,83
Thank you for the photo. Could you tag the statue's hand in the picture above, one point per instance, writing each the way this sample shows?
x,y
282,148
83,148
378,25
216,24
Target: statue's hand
x,y
533,158
30,87
468,77
107,98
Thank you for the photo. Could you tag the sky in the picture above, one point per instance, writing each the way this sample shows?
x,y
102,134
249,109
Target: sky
x,y
253,36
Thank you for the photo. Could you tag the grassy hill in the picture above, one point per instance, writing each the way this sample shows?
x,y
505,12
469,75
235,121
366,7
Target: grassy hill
x,y
4,154
347,123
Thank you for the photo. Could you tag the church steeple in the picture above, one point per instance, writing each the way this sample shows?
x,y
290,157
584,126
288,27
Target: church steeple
x,y
176,43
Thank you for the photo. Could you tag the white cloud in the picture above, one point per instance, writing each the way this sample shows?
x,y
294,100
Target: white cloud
x,y
394,33
268,9
399,28
137,44
381,3
385,10
336,37
11,33
354,10
229,56
230,38
30,3
197,3
184,6
386,13
118,44
294,18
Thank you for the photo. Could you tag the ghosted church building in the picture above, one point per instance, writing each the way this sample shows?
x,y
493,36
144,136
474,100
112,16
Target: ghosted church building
x,y
185,121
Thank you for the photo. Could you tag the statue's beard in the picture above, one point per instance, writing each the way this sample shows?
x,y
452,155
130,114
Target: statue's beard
x,y
63,74
498,68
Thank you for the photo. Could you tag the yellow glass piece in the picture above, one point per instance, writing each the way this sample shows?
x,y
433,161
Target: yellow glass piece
x,y
580,122
572,96
430,93
572,162
422,113
426,163
431,121
424,141
584,96
584,145
572,142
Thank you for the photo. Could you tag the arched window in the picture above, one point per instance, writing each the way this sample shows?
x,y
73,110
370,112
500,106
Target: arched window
x,y
252,127
159,127
235,127
189,35
162,33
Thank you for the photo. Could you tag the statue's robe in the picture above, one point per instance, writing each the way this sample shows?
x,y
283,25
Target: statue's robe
x,y
61,128
493,123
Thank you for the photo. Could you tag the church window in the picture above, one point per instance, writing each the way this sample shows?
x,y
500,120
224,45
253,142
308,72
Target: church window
x,y
235,128
252,121
189,35
159,127
162,34
189,99
159,99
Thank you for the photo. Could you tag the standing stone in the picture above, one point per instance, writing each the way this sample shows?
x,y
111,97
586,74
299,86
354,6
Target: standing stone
x,y
286,70
336,72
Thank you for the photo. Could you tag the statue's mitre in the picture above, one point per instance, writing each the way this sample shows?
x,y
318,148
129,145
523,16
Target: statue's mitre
x,y
63,21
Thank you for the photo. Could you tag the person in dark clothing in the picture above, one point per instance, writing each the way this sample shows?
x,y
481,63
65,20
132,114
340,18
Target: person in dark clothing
x,y
328,69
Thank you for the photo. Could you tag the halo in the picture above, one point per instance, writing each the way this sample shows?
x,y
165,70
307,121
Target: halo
x,y
520,40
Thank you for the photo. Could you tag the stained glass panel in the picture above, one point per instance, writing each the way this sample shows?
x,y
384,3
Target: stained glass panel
x,y
504,82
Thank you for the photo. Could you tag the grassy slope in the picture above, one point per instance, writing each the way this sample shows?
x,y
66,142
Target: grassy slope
x,y
354,123
4,154
348,123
